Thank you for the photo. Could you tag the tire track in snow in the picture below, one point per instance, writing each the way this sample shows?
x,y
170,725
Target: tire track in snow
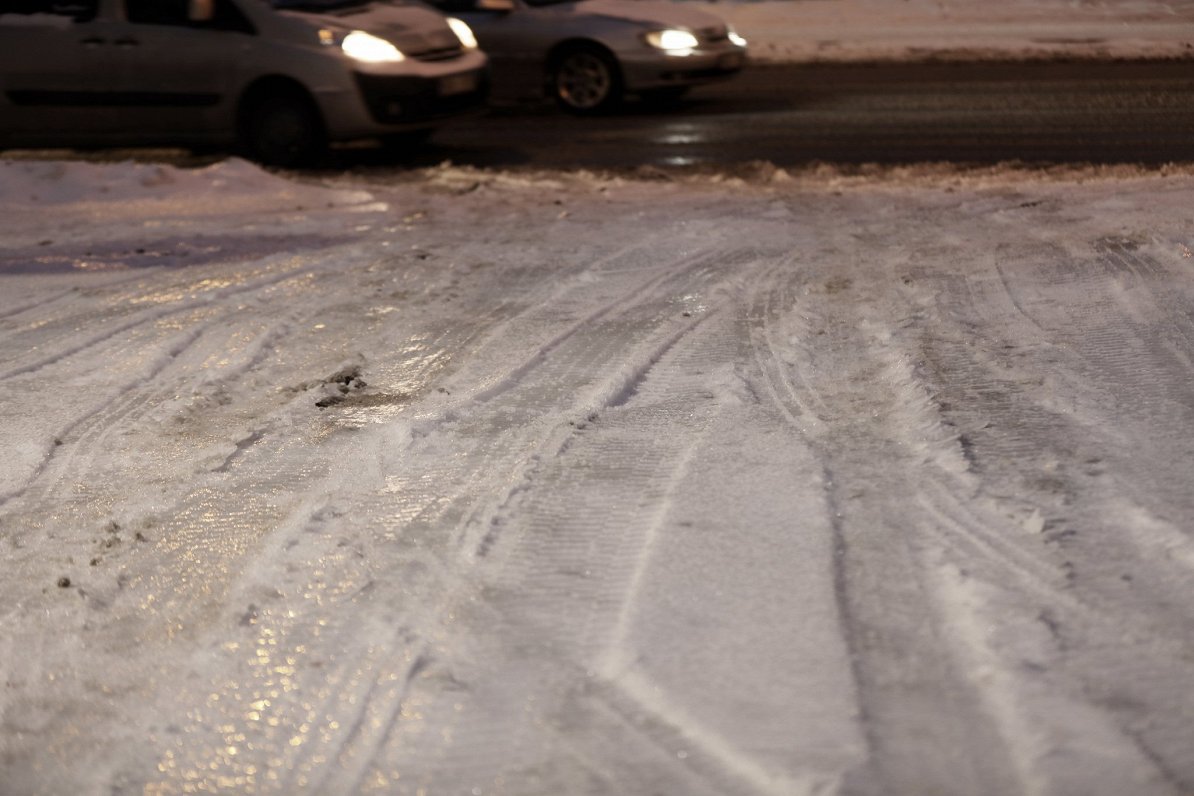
x,y
1028,447
579,534
1030,422
921,738
407,523
140,320
1061,611
210,295
291,669
615,304
1157,280
337,684
622,393
204,534
80,442
575,357
1061,743
606,534
11,312
579,369
544,497
82,436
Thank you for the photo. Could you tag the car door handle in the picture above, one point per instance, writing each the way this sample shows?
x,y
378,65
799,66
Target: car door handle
x,y
91,41
127,43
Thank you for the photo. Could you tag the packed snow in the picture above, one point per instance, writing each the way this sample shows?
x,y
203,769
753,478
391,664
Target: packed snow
x,y
542,483
460,481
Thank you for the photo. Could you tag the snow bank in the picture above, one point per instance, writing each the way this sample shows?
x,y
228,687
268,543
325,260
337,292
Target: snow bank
x,y
905,30
209,188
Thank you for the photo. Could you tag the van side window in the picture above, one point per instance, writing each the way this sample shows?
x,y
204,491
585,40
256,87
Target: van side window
x,y
158,12
229,17
78,10
177,13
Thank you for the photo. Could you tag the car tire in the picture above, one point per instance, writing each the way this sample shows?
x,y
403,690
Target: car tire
x,y
284,130
585,79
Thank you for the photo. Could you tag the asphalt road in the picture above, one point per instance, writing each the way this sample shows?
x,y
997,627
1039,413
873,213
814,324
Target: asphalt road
x,y
853,114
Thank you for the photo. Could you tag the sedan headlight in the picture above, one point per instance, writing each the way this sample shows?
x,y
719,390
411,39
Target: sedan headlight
x,y
463,32
736,38
366,47
672,40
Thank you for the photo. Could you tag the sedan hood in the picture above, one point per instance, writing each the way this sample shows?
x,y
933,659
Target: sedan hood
x,y
653,13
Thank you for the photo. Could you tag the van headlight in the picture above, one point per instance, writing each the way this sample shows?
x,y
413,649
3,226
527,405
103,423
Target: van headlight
x,y
463,32
677,42
362,46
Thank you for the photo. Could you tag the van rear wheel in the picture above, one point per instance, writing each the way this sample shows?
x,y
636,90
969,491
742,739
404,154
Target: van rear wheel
x,y
284,130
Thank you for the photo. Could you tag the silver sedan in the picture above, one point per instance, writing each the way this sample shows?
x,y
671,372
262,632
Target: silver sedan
x,y
589,54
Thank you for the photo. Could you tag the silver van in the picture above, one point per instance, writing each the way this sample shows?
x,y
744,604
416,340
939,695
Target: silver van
x,y
280,78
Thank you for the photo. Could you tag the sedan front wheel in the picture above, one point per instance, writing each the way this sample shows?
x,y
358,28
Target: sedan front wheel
x,y
586,80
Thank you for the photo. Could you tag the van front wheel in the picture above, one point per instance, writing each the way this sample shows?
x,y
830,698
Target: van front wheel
x,y
284,130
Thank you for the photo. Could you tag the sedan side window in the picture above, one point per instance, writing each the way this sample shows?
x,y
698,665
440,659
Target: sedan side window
x,y
77,10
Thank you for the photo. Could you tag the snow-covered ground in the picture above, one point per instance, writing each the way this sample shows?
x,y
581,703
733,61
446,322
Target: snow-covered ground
x,y
479,482
887,30
542,483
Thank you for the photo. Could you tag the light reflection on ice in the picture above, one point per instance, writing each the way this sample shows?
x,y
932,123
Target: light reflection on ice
x,y
682,133
184,292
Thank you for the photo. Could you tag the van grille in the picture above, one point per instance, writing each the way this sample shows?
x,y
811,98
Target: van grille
x,y
714,35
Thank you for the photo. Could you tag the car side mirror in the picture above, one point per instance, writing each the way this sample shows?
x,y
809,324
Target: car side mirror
x,y
201,10
499,6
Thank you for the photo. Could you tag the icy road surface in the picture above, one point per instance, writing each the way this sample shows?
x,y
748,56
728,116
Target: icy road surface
x,y
474,483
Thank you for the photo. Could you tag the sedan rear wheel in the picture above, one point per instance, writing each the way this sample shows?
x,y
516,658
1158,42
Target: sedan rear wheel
x,y
586,80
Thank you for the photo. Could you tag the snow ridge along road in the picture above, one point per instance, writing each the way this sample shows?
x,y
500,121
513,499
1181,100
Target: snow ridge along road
x,y
484,482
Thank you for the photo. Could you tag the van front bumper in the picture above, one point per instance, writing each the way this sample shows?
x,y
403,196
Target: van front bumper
x,y
409,99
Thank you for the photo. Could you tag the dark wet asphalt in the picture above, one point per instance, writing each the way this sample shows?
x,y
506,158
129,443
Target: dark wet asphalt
x,y
853,114
796,115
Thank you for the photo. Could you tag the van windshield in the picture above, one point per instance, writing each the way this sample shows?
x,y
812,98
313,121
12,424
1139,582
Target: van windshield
x,y
317,5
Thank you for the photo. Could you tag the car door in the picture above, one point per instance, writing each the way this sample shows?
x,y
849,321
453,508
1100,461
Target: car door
x,y
175,75
55,70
